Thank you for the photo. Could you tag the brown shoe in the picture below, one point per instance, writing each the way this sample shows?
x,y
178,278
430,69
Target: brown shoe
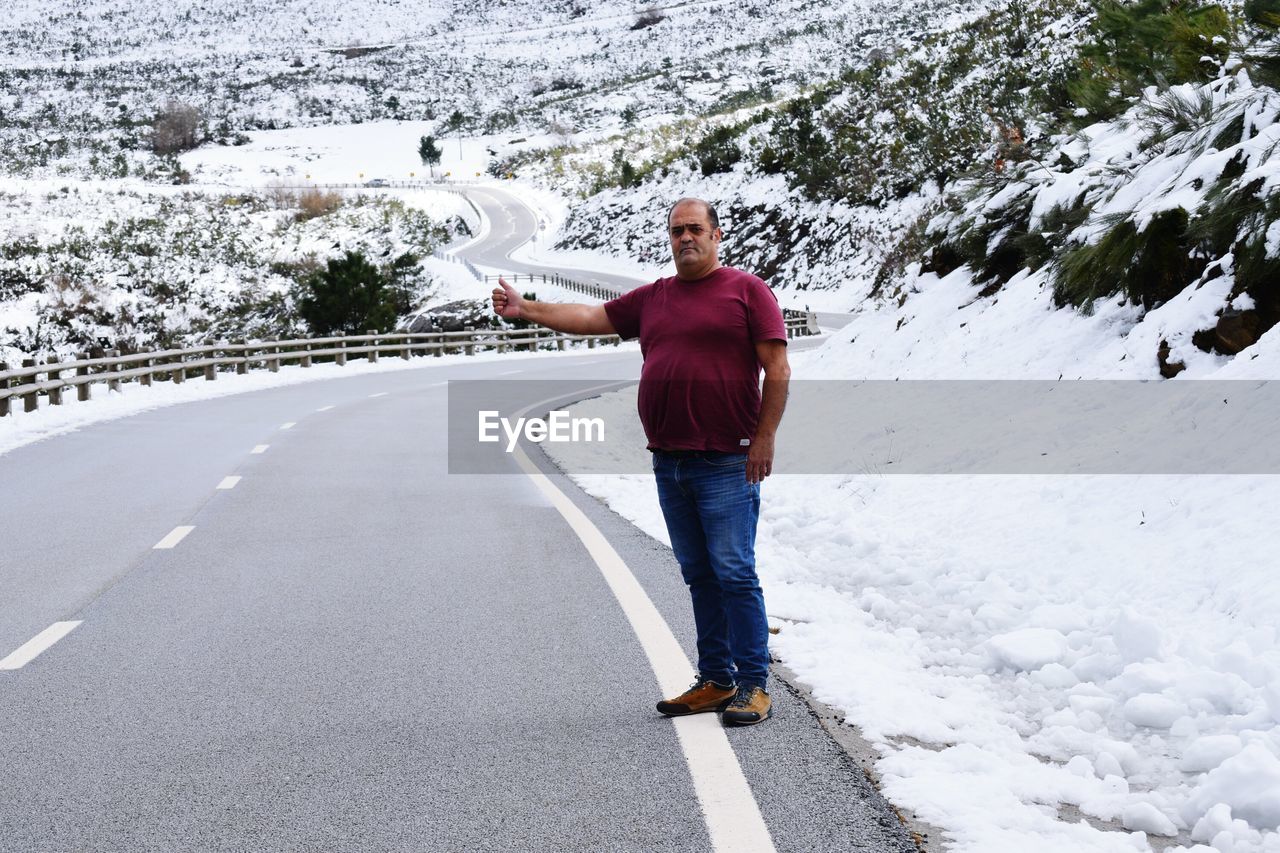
x,y
703,696
750,706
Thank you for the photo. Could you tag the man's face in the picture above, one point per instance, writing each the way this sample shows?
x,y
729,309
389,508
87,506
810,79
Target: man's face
x,y
695,245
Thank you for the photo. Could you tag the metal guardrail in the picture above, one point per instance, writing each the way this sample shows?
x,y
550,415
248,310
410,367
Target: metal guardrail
x,y
379,184
799,323
177,365
456,259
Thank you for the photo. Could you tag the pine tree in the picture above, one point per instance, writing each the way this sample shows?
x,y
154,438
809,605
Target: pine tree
x,y
430,153
349,296
1151,41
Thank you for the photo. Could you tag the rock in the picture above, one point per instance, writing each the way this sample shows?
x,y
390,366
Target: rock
x,y
1168,369
1235,331
455,316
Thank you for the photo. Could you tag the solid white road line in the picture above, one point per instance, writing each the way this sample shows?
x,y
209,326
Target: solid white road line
x,y
27,652
509,372
175,536
228,482
288,425
379,394
729,808
324,408
260,448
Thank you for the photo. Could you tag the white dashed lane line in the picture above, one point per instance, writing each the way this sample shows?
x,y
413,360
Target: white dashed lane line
x,y
509,372
175,536
288,425
324,408
228,482
260,448
28,651
379,394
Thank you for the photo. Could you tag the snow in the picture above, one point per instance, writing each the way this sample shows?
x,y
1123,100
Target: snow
x,y
1153,710
1144,817
1028,649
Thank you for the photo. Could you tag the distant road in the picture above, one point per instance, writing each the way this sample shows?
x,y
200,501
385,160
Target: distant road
x,y
513,224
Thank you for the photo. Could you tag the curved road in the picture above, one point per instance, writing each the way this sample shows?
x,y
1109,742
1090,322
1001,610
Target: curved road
x,y
351,649
512,224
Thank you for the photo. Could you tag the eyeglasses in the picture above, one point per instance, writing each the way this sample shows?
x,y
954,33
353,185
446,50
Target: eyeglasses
x,y
694,230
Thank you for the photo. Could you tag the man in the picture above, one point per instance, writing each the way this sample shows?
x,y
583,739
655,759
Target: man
x,y
705,335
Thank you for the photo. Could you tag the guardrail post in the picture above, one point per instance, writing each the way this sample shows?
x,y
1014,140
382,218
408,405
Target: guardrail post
x,y
273,364
404,352
341,358
113,384
55,394
29,401
469,345
591,343
4,384
306,359
210,372
373,346
242,366
439,341
145,379
82,390
179,373
560,343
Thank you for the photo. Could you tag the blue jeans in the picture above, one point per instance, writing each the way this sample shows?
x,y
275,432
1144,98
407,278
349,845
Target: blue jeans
x,y
711,512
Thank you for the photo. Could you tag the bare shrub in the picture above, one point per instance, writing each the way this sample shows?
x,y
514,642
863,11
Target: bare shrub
x,y
314,202
176,128
309,202
281,196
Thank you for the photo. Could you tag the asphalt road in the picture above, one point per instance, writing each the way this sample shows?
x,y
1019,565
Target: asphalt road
x,y
352,649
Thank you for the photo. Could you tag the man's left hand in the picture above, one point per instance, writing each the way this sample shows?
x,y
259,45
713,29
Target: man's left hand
x,y
760,459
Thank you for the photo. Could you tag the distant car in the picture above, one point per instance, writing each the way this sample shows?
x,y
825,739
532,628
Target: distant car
x,y
376,182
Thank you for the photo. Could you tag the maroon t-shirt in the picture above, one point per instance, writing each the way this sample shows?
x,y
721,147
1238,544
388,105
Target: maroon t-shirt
x,y
700,384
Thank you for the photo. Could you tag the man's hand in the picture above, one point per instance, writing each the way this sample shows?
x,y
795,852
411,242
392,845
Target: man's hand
x,y
760,459
506,302
772,355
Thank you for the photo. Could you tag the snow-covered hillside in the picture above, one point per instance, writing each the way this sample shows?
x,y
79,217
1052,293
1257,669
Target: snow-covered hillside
x,y
102,266
80,82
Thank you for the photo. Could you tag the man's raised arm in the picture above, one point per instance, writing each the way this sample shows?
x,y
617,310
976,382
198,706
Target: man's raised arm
x,y
574,318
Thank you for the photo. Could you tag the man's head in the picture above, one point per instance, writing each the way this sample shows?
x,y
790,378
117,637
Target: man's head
x,y
694,230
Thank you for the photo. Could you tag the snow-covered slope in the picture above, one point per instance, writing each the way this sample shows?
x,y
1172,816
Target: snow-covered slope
x,y
79,80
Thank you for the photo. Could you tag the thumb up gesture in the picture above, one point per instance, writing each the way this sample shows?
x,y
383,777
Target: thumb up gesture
x,y
506,302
